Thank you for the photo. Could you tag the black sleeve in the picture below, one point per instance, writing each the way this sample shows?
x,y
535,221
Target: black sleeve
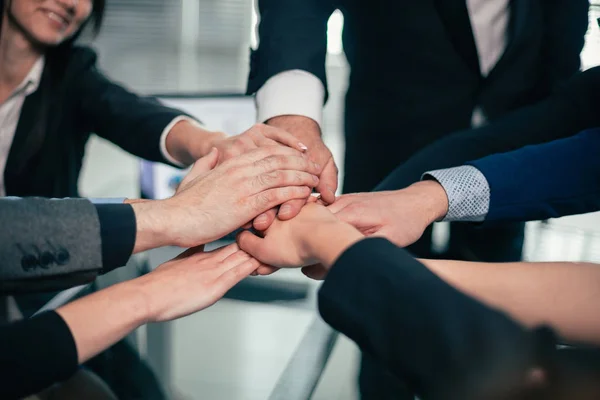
x,y
565,26
446,344
292,35
571,109
117,233
132,122
34,354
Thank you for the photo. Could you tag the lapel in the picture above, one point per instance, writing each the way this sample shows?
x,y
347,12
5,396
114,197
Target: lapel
x,y
454,15
519,15
31,130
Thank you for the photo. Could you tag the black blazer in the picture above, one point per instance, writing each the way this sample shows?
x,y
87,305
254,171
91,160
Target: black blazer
x,y
445,344
414,77
74,100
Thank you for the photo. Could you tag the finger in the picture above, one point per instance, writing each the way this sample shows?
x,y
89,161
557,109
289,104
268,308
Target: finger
x,y
281,178
291,208
328,182
316,272
264,220
273,197
201,167
261,153
276,162
235,258
253,245
265,270
340,203
235,275
247,225
282,136
222,253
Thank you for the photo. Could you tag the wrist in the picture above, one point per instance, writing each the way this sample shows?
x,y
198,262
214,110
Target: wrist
x,y
152,222
433,198
187,142
300,126
326,241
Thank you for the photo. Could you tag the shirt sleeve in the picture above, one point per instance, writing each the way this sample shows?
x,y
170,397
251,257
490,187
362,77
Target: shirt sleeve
x,y
294,92
468,192
165,133
34,354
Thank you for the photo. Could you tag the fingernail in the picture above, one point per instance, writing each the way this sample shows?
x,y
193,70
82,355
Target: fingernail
x,y
302,146
330,190
317,166
261,219
315,179
285,210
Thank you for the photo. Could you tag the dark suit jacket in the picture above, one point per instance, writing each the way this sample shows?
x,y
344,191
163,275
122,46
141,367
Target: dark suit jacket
x,y
444,343
74,100
545,181
572,108
414,76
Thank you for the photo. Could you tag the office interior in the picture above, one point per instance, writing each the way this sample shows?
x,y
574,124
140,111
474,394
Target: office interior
x,y
249,346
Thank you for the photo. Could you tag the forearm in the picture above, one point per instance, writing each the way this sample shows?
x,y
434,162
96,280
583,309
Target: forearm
x,y
114,312
563,295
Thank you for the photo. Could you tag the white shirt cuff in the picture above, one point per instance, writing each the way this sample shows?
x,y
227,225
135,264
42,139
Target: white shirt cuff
x,y
165,133
294,92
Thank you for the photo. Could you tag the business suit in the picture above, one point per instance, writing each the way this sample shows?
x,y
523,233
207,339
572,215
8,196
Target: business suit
x,y
545,181
415,78
445,344
74,100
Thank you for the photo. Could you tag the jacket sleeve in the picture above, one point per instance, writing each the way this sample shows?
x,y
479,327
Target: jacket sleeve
x,y
292,35
544,181
571,109
54,244
444,343
132,122
34,354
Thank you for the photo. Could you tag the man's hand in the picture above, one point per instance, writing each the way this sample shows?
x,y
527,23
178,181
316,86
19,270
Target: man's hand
x,y
400,216
308,132
215,203
313,236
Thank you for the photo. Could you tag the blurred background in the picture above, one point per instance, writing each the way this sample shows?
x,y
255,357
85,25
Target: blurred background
x,y
239,349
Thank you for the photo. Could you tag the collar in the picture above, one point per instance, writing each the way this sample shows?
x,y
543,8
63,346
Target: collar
x,y
32,81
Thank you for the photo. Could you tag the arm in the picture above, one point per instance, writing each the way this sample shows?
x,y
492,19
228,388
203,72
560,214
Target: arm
x,y
80,330
571,109
561,295
445,343
287,73
52,244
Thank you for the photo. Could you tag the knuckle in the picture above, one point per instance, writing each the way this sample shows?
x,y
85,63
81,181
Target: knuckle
x,y
264,199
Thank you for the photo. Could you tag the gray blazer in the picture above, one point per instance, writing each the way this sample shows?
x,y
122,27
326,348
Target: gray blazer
x,y
48,244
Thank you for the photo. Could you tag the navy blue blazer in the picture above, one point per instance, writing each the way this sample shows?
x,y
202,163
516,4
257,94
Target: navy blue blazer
x,y
545,181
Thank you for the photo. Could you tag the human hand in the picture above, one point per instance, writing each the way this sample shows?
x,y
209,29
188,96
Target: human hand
x,y
400,216
313,236
213,203
193,281
309,133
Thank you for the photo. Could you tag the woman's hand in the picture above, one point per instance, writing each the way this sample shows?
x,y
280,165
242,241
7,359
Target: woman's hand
x,y
211,204
314,236
194,281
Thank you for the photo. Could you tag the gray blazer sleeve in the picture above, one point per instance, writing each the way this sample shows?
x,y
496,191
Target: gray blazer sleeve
x,y
48,244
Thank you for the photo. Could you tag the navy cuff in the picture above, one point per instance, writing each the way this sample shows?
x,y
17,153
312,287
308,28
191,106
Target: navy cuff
x,y
117,232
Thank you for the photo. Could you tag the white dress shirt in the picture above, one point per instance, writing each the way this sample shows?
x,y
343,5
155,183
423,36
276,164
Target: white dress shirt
x,y
10,112
298,92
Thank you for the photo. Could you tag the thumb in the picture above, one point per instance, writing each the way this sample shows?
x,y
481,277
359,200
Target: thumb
x,y
252,245
201,167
